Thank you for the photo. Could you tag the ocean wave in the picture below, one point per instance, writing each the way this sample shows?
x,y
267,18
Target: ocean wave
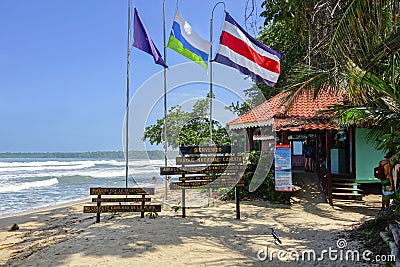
x,y
111,173
69,165
28,185
93,172
54,165
47,168
14,172
37,163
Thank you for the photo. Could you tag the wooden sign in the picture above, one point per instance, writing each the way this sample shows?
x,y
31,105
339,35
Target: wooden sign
x,y
223,183
199,177
121,199
205,149
122,208
205,177
213,168
121,191
207,184
205,169
209,160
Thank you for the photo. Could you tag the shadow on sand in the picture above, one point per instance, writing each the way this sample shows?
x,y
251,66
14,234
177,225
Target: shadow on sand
x,y
211,236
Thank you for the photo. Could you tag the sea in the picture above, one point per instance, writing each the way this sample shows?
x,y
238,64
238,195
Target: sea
x,y
27,184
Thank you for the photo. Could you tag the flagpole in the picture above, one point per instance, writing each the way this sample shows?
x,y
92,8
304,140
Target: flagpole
x,y
211,70
127,96
165,103
211,77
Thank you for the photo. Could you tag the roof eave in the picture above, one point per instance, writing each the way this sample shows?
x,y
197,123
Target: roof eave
x,y
239,126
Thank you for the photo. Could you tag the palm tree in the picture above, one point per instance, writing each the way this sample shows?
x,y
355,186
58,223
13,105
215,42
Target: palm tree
x,y
359,55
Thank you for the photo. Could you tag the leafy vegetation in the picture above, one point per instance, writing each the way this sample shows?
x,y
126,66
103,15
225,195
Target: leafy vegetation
x,y
187,127
266,191
361,58
153,215
287,28
369,231
352,46
177,207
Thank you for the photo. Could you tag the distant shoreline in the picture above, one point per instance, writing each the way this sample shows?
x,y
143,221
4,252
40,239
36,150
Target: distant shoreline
x,y
153,154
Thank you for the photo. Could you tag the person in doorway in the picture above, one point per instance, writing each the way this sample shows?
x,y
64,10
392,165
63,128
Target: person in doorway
x,y
309,154
387,184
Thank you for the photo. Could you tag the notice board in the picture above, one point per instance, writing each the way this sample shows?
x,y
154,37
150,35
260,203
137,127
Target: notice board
x,y
283,168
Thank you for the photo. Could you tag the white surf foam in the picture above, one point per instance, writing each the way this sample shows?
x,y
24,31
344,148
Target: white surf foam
x,y
7,188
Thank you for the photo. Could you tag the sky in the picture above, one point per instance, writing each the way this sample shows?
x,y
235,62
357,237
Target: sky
x,y
63,72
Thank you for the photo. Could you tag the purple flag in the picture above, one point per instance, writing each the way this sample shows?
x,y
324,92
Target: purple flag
x,y
142,40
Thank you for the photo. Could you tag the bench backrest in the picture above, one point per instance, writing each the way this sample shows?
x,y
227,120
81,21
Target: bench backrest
x,y
133,191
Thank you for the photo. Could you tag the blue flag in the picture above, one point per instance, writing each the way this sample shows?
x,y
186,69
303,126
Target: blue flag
x,y
142,40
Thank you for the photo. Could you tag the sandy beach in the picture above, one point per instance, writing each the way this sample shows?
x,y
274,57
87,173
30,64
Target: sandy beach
x,y
209,236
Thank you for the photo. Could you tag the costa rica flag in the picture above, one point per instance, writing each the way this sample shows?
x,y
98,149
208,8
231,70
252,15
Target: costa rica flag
x,y
239,50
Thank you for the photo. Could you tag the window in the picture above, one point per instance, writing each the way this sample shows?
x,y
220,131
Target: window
x,y
297,148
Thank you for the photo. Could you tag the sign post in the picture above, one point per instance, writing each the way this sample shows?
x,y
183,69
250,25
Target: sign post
x,y
237,203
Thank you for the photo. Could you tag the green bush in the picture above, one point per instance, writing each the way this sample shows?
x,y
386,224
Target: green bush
x,y
265,191
152,215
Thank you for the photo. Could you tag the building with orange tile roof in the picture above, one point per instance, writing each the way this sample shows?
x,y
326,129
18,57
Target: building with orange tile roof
x,y
289,119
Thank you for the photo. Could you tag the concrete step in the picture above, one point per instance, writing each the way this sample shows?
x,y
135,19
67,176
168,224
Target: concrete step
x,y
347,189
346,194
342,180
345,184
349,200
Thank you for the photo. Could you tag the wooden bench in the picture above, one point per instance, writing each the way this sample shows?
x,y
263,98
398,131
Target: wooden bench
x,y
128,205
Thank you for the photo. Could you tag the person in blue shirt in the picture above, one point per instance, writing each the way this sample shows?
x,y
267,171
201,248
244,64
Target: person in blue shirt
x,y
309,154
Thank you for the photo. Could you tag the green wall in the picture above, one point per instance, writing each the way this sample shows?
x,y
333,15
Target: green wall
x,y
367,157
